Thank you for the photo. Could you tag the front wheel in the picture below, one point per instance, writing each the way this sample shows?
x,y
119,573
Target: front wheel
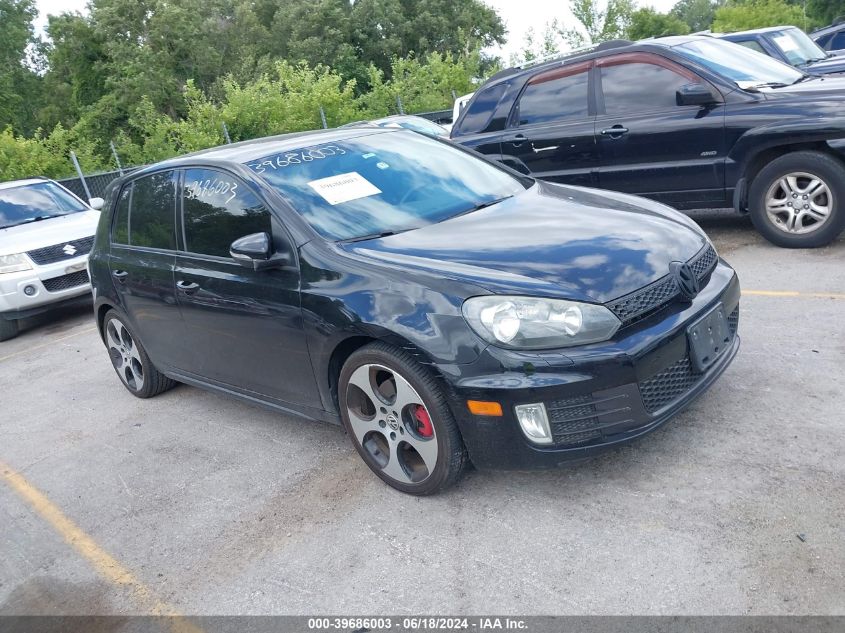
x,y
797,200
399,420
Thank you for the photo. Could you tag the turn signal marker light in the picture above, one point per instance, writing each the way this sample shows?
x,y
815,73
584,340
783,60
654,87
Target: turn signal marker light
x,y
480,407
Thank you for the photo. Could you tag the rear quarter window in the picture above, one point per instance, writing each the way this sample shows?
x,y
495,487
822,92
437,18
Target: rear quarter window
x,y
480,111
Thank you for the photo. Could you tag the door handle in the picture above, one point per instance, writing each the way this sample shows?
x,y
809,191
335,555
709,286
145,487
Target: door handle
x,y
614,132
518,140
120,275
188,287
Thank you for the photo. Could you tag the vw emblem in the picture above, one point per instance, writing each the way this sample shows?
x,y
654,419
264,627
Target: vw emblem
x,y
392,422
69,249
685,279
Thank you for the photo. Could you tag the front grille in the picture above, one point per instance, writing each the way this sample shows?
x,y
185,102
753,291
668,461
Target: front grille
x,y
671,383
64,282
57,252
644,302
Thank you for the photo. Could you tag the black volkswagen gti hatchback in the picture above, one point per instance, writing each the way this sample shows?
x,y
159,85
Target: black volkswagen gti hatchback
x,y
442,307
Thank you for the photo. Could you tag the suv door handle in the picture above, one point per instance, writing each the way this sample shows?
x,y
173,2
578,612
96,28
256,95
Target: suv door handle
x,y
518,140
120,275
615,132
188,287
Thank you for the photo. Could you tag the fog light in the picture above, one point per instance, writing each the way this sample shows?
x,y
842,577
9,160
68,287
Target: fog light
x,y
534,422
29,290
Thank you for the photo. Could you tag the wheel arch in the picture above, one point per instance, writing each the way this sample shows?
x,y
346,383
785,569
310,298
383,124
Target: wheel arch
x,y
347,346
755,163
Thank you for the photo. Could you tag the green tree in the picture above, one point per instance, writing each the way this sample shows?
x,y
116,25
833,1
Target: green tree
x,y
647,22
597,22
752,14
824,12
19,85
534,46
697,14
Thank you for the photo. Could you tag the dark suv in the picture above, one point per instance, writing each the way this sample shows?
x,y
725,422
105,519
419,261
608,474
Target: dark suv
x,y
690,121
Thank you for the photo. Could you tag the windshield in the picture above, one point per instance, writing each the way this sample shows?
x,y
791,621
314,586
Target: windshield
x,y
797,47
741,65
385,182
29,203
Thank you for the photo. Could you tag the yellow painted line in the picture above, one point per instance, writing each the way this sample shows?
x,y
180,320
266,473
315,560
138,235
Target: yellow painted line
x,y
29,350
106,565
793,293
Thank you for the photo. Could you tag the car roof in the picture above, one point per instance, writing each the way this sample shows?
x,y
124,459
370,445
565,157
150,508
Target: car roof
x,y
245,151
22,183
832,28
767,29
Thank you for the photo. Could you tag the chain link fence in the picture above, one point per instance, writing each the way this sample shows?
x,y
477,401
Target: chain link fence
x,y
97,183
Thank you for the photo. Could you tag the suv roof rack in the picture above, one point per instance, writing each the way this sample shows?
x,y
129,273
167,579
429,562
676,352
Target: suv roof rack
x,y
601,46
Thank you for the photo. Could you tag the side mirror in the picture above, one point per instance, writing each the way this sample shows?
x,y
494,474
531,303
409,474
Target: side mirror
x,y
96,203
695,94
256,252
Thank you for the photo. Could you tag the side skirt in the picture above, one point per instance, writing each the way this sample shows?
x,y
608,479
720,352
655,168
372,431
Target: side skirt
x,y
278,406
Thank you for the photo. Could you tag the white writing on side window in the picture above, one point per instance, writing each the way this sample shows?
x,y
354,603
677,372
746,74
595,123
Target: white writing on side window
x,y
344,187
204,189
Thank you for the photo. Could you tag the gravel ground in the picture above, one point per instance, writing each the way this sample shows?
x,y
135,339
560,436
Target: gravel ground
x,y
209,506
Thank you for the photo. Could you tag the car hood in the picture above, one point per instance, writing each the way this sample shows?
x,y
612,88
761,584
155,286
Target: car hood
x,y
552,240
830,65
27,237
819,87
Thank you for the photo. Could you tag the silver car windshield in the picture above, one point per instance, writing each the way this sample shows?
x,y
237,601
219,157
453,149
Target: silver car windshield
x,y
746,68
39,201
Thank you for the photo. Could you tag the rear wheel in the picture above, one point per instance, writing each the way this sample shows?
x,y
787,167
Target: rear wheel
x,y
8,329
130,360
797,200
399,420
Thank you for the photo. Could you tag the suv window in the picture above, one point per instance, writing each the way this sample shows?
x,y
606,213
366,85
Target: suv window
x,y
218,209
145,212
837,42
638,86
753,45
554,99
478,116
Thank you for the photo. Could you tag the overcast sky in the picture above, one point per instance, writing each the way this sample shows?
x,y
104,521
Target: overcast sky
x,y
518,15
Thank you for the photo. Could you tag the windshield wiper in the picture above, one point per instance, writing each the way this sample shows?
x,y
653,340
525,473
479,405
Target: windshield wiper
x,y
373,236
482,205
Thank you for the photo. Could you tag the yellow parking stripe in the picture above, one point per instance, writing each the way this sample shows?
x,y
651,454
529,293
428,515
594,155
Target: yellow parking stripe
x,y
792,293
105,565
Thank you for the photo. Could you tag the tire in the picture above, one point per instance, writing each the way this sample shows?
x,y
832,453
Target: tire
x,y
399,420
798,200
8,329
130,360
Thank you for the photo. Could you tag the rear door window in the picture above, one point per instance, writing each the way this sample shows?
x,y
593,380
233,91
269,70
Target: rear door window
x,y
554,98
217,209
152,210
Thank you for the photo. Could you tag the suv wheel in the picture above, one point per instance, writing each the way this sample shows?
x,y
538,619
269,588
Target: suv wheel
x,y
797,200
130,360
399,420
8,329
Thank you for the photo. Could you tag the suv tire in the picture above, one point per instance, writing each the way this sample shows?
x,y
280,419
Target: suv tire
x,y
399,420
8,329
798,200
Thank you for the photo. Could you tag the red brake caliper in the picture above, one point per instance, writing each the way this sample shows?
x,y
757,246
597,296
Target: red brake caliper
x,y
424,427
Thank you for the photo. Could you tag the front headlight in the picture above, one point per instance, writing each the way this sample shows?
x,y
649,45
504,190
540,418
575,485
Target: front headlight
x,y
14,263
533,323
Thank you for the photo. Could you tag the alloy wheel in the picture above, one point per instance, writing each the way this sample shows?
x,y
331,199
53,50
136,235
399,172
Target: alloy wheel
x,y
391,423
125,355
798,203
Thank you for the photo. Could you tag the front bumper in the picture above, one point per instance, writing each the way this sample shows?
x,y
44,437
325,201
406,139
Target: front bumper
x,y
597,396
50,285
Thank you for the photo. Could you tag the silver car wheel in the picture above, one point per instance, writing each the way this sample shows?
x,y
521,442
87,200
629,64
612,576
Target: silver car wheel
x,y
124,355
799,203
391,424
